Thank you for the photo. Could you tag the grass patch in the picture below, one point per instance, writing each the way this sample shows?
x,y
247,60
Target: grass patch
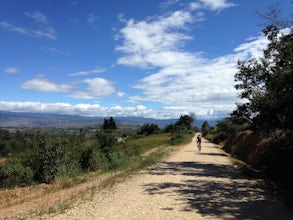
x,y
150,141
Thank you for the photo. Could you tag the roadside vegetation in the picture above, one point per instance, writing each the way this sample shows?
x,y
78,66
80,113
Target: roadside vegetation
x,y
260,130
36,156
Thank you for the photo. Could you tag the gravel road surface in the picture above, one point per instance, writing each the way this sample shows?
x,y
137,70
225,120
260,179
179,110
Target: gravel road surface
x,y
188,185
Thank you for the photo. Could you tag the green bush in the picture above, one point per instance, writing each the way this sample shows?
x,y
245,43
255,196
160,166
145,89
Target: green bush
x,y
176,138
13,173
278,164
148,129
133,151
181,136
219,138
234,150
106,139
47,159
117,158
92,159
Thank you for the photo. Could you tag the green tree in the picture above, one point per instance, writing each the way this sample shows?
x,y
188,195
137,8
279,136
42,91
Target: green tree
x,y
267,84
13,173
205,128
92,159
5,138
47,159
148,129
106,139
185,121
169,128
109,124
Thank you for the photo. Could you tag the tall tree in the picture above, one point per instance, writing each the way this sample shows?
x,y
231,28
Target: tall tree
x,y
185,121
267,84
109,124
205,128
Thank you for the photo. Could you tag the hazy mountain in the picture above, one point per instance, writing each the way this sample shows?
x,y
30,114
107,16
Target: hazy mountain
x,y
30,120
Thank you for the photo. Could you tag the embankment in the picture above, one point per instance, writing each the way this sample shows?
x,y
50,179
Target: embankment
x,y
272,156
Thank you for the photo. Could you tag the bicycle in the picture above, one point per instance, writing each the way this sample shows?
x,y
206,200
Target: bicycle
x,y
199,145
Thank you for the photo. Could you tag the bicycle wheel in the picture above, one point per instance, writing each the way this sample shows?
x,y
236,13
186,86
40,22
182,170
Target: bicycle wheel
x,y
199,146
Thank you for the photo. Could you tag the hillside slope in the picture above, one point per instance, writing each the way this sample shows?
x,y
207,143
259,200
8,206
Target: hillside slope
x,y
271,156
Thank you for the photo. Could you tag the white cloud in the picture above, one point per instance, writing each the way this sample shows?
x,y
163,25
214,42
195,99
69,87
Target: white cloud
x,y
181,80
154,43
96,88
88,72
201,88
213,5
91,18
83,109
253,48
38,107
56,51
44,30
120,94
38,17
11,70
90,88
43,84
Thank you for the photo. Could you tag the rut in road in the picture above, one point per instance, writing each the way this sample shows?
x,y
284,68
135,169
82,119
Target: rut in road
x,y
188,185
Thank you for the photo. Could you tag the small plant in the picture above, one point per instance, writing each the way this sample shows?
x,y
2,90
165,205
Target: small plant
x,y
92,159
234,149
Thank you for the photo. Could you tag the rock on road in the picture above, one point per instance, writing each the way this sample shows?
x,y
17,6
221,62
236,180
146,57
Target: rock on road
x,y
188,185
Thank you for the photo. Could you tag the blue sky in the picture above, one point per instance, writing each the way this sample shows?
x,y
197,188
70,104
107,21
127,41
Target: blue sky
x,y
157,59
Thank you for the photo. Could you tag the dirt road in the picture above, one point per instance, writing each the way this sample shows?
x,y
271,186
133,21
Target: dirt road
x,y
188,185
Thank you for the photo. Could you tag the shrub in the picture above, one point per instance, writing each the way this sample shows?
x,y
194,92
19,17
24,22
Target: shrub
x,y
278,162
116,158
13,173
148,129
234,150
176,138
48,159
92,159
106,139
219,138
181,136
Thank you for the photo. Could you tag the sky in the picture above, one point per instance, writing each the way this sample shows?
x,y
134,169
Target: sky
x,y
143,58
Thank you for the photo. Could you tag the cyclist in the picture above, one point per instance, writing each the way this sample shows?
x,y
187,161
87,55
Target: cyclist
x,y
198,141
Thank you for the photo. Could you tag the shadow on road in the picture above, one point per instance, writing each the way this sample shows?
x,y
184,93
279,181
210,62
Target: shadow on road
x,y
216,190
195,169
213,154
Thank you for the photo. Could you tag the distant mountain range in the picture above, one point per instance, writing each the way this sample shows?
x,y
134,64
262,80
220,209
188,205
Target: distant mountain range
x,y
34,120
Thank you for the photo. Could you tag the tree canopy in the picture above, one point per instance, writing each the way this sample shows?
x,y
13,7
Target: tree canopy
x,y
109,124
185,121
205,128
148,129
267,83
